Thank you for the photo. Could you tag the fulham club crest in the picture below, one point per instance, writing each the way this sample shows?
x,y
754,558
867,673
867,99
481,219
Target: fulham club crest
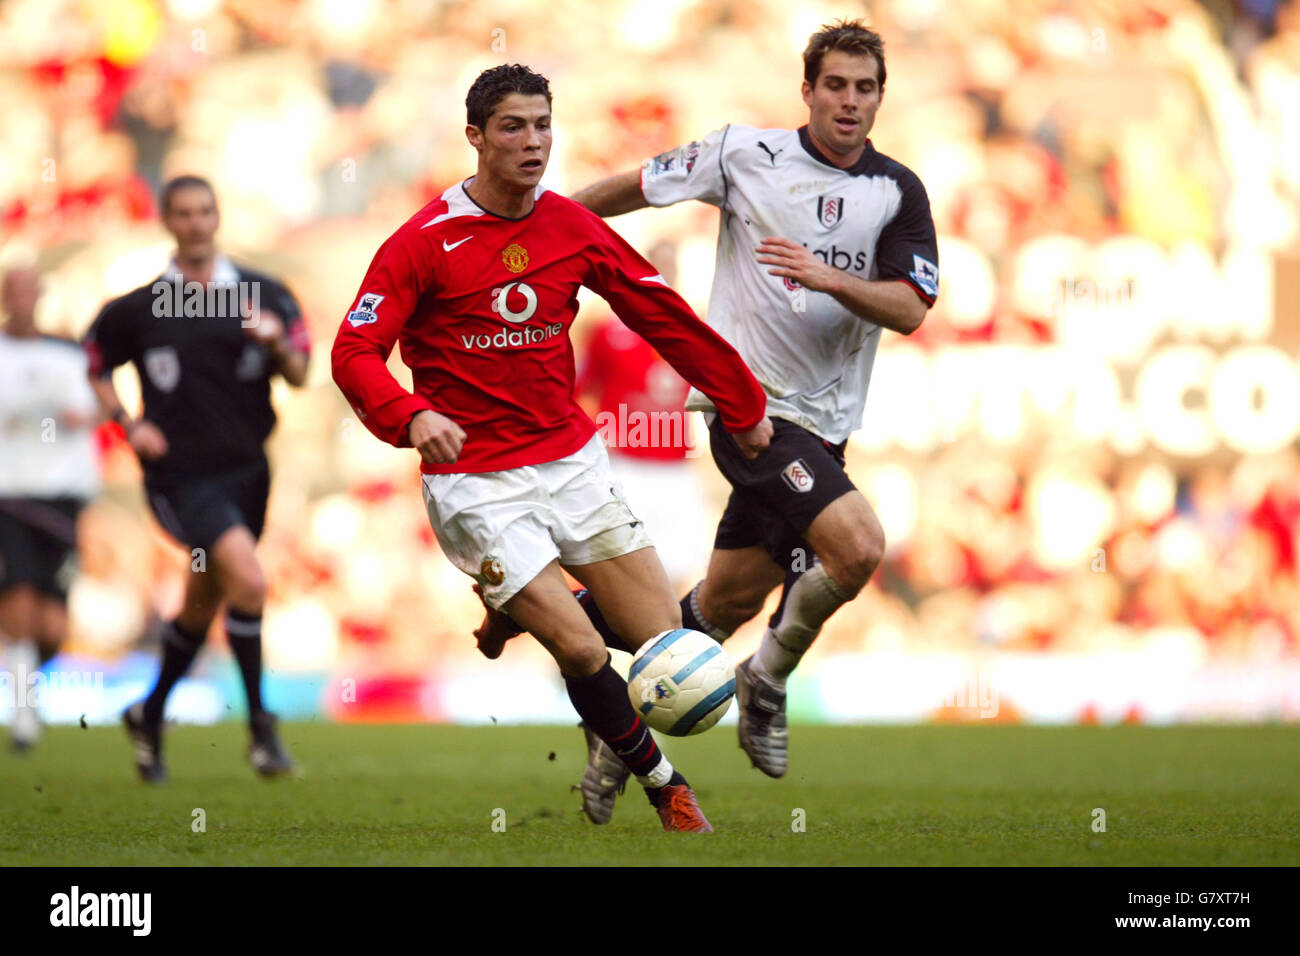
x,y
830,210
798,476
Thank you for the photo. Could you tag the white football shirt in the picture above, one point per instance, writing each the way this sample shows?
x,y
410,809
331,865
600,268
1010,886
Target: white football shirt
x,y
812,356
41,379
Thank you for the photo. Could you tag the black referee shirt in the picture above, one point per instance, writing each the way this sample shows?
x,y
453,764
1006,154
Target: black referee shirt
x,y
205,383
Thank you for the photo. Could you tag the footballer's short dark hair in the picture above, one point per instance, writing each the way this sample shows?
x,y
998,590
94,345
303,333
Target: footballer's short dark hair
x,y
494,85
847,36
177,183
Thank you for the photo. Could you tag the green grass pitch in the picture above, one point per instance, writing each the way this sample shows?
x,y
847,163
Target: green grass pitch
x,y
397,795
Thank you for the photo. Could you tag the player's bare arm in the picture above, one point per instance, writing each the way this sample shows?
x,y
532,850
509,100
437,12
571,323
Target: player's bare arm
x,y
145,438
890,304
614,196
270,331
436,437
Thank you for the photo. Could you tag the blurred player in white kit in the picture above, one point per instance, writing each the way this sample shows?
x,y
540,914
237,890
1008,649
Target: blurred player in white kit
x,y
48,472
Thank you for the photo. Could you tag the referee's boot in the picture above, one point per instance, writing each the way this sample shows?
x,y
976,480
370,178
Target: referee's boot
x,y
265,752
146,740
763,733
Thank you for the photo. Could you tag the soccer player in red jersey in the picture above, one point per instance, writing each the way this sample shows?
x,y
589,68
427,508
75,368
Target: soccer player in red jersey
x,y
480,287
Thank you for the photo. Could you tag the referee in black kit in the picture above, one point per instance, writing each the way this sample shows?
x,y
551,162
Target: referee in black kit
x,y
205,338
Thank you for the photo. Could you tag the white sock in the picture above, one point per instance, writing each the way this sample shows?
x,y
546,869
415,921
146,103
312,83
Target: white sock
x,y
23,661
812,599
659,776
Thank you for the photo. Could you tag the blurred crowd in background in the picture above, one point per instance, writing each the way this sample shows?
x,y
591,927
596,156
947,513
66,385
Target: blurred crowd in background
x,y
1117,191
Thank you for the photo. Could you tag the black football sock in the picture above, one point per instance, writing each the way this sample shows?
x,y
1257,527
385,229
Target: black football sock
x,y
654,793
180,646
693,617
47,653
599,623
245,634
601,700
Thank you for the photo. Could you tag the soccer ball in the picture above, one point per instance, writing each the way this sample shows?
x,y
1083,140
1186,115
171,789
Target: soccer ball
x,y
681,682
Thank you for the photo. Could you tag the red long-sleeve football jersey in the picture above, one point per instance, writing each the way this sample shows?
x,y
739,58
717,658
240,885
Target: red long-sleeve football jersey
x,y
482,306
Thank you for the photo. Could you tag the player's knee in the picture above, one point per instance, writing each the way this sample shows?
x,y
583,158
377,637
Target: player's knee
x,y
857,561
247,590
581,656
735,607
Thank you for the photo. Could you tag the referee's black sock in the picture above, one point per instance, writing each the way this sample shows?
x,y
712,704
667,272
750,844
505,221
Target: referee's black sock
x,y
601,700
245,634
180,646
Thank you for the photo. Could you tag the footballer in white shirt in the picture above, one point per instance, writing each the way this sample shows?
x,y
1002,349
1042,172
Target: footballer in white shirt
x,y
824,242
48,472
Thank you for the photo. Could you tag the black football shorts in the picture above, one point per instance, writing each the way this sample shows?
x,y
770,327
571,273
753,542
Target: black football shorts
x,y
197,510
776,496
38,543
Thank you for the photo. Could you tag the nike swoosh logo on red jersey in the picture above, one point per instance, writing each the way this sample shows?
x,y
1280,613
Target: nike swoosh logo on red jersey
x,y
448,248
654,278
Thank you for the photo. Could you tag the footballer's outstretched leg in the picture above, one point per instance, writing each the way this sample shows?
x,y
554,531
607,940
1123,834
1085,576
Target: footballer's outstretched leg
x,y
547,608
605,775
849,543
498,627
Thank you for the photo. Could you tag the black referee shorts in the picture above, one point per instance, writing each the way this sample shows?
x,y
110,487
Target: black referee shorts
x,y
38,543
197,510
776,496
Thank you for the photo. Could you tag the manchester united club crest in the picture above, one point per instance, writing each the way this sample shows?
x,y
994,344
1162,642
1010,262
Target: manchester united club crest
x,y
830,210
491,571
515,257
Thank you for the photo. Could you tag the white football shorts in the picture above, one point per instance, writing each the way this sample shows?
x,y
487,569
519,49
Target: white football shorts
x,y
503,527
